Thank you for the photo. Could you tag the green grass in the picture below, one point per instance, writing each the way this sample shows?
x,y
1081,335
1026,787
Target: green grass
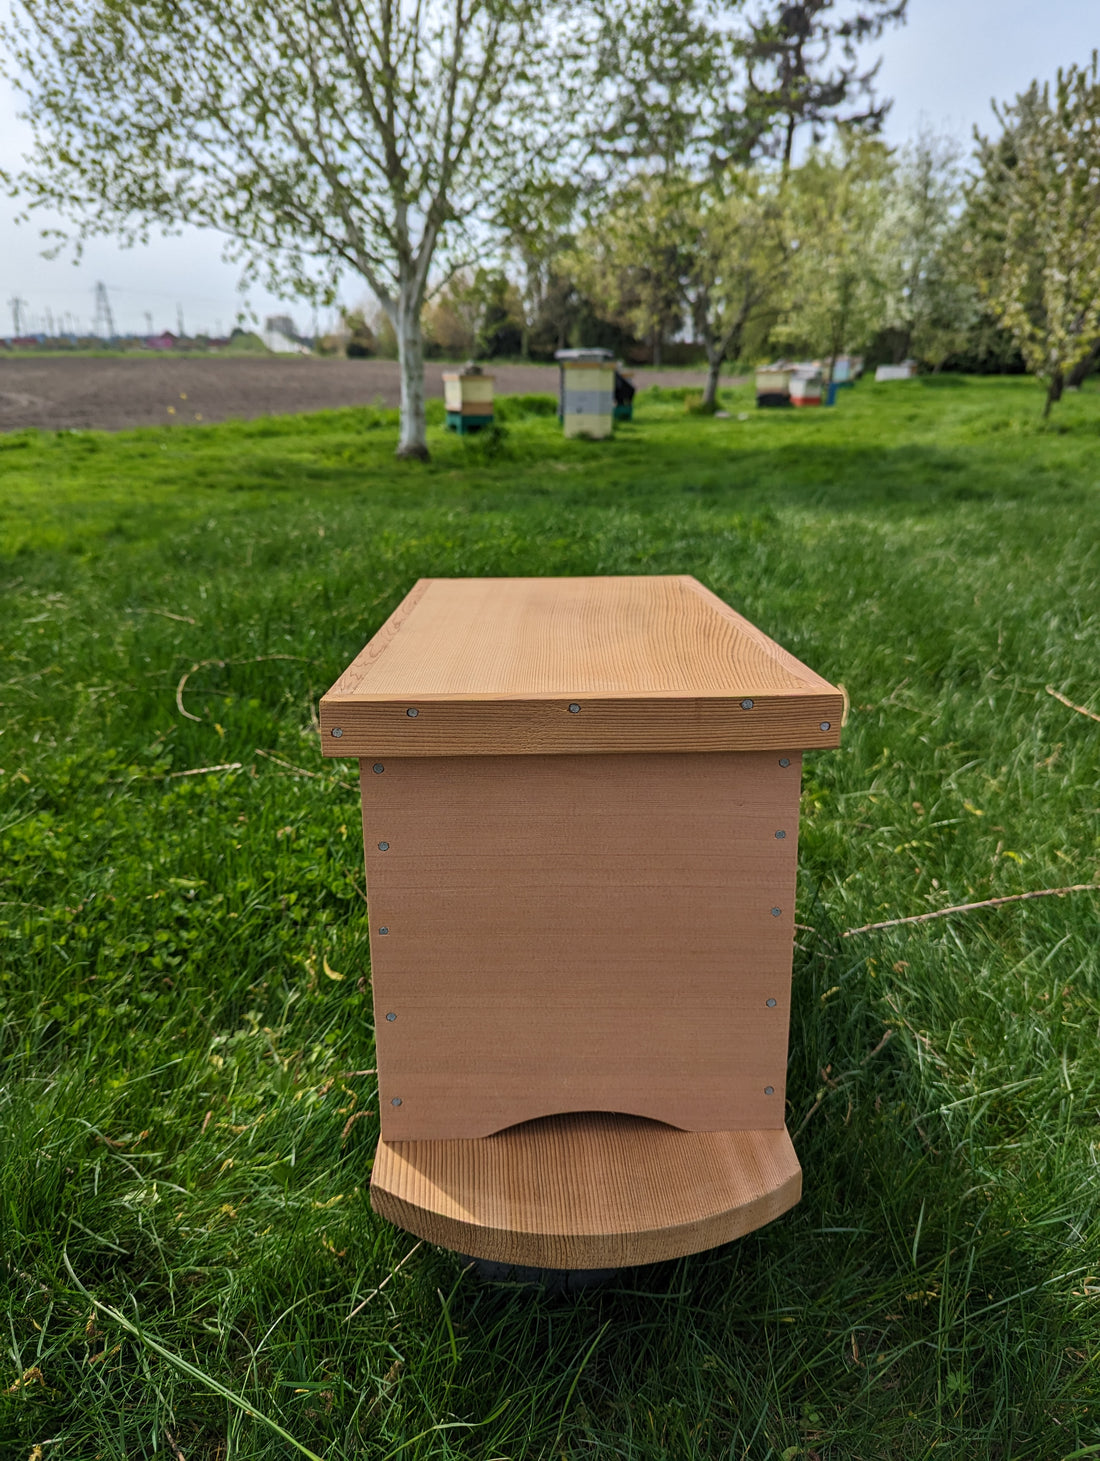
x,y
185,1022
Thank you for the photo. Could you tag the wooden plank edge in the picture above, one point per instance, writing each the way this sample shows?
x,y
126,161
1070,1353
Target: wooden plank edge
x,y
602,726
578,1251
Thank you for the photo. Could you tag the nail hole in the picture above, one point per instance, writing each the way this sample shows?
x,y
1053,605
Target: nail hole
x,y
378,768
383,847
770,1003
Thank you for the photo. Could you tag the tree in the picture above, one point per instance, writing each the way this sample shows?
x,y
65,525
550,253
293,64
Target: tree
x,y
737,269
795,79
537,219
475,314
666,67
632,257
317,135
837,207
932,301
1032,221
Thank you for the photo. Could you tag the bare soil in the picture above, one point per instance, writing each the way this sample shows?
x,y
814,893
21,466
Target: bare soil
x,y
74,393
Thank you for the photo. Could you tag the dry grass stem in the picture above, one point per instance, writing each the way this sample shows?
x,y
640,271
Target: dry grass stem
x,y
1080,709
970,907
392,1274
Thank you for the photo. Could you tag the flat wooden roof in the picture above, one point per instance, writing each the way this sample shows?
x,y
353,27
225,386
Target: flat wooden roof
x,y
492,666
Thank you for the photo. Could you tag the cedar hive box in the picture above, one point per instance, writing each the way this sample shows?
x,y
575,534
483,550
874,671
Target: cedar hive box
x,y
580,812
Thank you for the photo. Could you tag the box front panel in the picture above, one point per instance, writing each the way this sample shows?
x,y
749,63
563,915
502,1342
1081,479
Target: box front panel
x,y
477,391
571,933
587,423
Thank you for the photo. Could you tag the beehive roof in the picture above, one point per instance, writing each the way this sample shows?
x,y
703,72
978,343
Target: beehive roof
x,y
492,666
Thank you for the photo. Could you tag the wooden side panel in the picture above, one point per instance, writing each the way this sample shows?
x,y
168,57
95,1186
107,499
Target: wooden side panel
x,y
589,1191
574,933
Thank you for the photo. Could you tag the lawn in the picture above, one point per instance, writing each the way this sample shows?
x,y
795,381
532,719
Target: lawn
x,y
187,1097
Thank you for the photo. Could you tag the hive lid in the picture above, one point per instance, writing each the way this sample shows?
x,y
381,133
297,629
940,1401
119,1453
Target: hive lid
x,y
517,666
594,355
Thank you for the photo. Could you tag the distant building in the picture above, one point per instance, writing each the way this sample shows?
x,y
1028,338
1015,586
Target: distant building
x,y
281,337
164,341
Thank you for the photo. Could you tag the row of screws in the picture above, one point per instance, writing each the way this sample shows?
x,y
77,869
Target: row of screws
x,y
574,709
768,1091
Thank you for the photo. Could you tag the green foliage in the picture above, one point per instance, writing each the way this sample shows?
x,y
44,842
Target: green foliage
x,y
836,210
1032,220
187,1098
795,79
932,304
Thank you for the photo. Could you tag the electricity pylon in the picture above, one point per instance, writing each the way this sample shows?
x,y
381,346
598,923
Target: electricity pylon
x,y
103,324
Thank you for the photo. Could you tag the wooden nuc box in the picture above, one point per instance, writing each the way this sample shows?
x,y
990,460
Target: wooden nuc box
x,y
580,813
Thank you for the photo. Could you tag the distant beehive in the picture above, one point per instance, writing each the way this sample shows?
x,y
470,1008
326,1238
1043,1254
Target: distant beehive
x,y
468,398
587,400
773,387
806,388
905,371
844,370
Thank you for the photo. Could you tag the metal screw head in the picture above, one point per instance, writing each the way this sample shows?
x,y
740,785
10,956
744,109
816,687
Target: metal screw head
x,y
776,912
574,709
770,1003
412,713
747,704
391,1017
383,847
784,760
396,1101
769,1090
780,836
826,725
336,732
378,768
383,930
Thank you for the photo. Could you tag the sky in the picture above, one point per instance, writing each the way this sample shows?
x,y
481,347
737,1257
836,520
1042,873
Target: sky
x,y
942,69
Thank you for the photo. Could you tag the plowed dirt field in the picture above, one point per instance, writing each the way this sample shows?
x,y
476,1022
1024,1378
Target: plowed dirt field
x,y
74,393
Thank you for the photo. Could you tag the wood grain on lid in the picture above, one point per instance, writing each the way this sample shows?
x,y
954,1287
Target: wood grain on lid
x,y
587,1191
492,666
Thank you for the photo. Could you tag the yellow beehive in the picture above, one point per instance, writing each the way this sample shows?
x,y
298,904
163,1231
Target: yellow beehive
x,y
468,399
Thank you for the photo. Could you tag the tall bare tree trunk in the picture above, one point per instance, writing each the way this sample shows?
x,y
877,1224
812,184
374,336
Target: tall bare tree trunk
x,y
413,438
1054,393
714,370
